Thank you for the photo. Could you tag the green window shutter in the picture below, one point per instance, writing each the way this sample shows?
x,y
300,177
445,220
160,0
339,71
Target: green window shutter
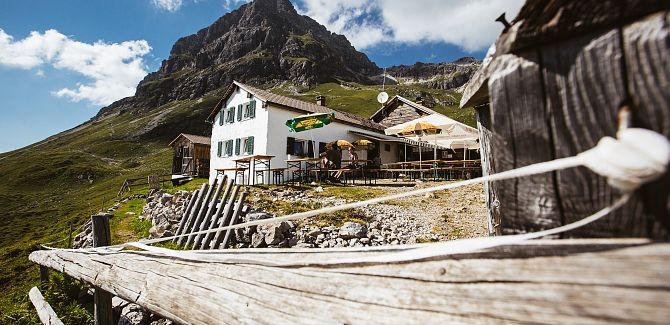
x,y
237,146
240,107
221,116
230,112
252,109
250,145
219,150
290,144
229,148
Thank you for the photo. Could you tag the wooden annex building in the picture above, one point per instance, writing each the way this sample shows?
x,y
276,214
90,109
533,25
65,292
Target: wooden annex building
x,y
399,110
191,155
551,86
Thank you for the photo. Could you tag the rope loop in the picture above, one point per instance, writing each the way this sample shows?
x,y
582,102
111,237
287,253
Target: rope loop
x,y
637,157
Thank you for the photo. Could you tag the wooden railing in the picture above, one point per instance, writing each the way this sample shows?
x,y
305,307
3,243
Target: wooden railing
x,y
545,281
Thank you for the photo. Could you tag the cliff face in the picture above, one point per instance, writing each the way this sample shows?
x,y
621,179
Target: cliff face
x,y
262,42
436,75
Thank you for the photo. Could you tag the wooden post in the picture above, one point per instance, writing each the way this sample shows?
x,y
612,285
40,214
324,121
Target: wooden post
x,y
44,274
208,215
102,313
69,238
201,214
184,217
233,218
218,237
44,311
193,213
219,212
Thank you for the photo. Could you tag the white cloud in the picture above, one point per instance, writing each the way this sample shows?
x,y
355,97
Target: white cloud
x,y
366,23
113,68
169,5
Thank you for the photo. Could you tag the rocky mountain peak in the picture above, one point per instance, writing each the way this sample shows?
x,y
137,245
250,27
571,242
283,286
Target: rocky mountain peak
x,y
262,42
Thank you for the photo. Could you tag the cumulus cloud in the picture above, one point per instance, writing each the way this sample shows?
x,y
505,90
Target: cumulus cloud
x,y
114,69
169,5
366,23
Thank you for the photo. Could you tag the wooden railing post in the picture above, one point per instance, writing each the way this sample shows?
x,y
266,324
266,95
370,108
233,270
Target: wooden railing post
x,y
102,314
44,274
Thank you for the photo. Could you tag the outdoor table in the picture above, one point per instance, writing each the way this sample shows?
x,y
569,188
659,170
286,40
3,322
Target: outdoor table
x,y
295,166
255,161
239,171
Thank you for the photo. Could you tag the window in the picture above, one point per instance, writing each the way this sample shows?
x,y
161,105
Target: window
x,y
387,147
248,145
299,147
249,110
230,115
228,148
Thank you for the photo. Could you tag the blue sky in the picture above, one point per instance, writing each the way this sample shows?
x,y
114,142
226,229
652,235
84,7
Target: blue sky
x,y
84,54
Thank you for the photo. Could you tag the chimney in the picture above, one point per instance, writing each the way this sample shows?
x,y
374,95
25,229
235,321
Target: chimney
x,y
419,100
321,100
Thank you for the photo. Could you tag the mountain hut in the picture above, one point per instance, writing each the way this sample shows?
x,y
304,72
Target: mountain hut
x,y
191,155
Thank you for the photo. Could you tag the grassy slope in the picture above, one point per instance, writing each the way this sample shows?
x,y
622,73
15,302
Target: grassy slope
x,y
65,179
70,176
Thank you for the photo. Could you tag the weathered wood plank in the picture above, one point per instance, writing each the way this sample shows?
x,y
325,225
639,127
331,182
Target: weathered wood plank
x,y
521,137
583,81
44,311
225,218
194,212
207,203
233,220
206,220
490,188
564,281
646,48
217,215
187,212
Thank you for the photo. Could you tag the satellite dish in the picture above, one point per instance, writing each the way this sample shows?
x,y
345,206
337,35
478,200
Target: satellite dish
x,y
382,97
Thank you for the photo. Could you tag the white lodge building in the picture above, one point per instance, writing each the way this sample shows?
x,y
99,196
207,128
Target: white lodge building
x,y
250,121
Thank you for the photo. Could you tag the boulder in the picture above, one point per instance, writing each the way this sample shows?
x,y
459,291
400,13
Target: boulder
x,y
353,230
133,314
258,240
274,233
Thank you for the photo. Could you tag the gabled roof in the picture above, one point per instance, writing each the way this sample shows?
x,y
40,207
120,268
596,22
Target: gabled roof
x,y
397,98
296,105
199,139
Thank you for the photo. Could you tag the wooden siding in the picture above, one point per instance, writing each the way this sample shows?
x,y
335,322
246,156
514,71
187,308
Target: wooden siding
x,y
559,100
398,113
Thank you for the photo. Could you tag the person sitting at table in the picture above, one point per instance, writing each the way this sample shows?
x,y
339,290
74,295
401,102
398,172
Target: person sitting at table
x,y
353,156
334,156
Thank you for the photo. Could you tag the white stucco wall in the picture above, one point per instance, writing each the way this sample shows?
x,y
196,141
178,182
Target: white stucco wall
x,y
270,135
256,127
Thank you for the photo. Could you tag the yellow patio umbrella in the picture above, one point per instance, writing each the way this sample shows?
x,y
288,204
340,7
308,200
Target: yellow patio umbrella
x,y
343,144
363,144
420,129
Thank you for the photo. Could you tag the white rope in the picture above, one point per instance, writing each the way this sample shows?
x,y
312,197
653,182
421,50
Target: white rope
x,y
639,156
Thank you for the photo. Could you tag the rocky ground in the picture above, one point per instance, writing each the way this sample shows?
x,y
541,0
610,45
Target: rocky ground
x,y
439,216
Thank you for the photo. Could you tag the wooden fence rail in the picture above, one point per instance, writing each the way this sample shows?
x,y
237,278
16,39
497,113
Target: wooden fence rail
x,y
546,281
44,311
